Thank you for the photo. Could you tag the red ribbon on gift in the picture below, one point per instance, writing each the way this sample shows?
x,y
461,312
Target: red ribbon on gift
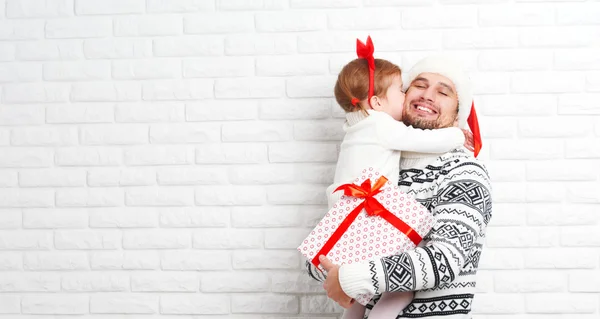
x,y
372,207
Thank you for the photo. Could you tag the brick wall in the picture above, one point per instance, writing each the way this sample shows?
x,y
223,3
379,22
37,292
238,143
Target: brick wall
x,y
163,158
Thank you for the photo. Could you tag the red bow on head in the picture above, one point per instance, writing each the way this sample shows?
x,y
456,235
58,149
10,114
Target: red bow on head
x,y
474,126
366,52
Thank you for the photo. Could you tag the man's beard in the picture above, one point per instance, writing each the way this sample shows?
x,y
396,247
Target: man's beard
x,y
419,122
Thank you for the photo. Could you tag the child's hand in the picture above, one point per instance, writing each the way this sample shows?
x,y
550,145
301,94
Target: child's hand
x,y
469,140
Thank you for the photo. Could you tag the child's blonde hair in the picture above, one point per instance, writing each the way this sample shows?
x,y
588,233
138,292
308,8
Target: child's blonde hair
x,y
353,82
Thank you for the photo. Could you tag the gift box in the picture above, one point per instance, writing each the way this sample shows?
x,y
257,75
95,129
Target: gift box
x,y
373,219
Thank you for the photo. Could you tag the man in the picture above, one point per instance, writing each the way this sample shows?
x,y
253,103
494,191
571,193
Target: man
x,y
454,186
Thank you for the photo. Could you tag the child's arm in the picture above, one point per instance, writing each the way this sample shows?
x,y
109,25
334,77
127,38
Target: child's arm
x,y
397,136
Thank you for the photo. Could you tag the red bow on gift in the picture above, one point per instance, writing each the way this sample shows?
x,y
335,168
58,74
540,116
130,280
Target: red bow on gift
x,y
373,208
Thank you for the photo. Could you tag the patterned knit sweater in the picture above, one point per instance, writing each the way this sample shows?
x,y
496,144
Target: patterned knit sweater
x,y
456,188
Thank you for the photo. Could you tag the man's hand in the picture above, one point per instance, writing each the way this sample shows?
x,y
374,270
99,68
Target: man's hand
x,y
468,140
332,284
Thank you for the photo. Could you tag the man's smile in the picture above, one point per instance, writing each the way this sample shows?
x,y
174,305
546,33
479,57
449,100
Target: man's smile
x,y
424,109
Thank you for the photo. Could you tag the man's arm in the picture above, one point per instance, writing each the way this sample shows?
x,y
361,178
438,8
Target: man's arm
x,y
462,214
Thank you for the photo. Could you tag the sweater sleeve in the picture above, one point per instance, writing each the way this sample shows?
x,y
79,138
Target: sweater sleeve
x,y
462,215
397,136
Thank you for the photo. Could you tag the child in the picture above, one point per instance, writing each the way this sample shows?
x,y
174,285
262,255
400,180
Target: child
x,y
370,91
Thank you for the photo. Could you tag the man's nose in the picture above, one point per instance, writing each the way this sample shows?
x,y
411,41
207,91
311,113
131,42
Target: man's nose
x,y
429,94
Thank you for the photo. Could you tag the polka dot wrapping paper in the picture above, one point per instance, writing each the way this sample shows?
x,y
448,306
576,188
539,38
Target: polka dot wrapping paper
x,y
367,237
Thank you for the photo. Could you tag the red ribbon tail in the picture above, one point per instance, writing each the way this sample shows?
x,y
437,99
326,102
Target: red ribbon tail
x,y
401,226
351,190
374,207
337,234
474,127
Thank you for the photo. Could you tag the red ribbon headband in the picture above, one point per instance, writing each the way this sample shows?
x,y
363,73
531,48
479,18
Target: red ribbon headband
x,y
366,52
474,126
372,208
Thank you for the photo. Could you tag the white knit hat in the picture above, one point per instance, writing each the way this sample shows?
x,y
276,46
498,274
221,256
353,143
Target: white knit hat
x,y
452,69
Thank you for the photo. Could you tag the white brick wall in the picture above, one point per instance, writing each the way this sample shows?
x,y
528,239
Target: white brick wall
x,y
163,158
